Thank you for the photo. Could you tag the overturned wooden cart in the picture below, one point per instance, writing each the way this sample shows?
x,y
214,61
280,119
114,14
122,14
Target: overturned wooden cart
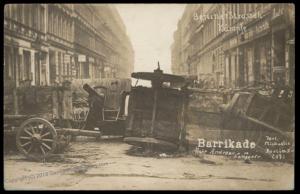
x,y
157,114
251,114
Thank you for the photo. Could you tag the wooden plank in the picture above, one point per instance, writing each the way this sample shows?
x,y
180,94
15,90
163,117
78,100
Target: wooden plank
x,y
267,126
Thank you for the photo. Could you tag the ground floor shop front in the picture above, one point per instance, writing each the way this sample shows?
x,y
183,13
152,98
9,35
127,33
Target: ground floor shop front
x,y
42,64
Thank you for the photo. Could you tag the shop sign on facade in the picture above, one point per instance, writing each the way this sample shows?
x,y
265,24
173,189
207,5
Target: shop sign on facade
x,y
67,59
81,58
91,59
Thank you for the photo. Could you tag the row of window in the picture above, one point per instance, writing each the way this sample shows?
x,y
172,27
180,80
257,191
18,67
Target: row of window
x,y
60,24
31,15
84,38
213,27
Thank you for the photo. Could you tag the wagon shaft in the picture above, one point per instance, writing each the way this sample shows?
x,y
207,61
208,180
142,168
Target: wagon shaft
x,y
79,132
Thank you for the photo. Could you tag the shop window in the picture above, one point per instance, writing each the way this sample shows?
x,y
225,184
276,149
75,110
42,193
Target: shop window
x,y
27,65
85,70
37,69
68,70
63,72
265,62
279,49
250,65
59,65
52,66
7,63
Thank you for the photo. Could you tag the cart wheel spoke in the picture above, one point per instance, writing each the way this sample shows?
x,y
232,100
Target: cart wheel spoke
x,y
42,130
48,140
42,149
48,147
28,138
29,149
29,142
26,131
32,129
48,133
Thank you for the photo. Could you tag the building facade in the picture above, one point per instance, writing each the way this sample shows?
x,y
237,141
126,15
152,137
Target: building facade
x,y
49,43
237,45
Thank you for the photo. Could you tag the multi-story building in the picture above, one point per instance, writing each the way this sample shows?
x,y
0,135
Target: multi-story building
x,y
60,38
25,47
238,45
181,47
49,43
176,60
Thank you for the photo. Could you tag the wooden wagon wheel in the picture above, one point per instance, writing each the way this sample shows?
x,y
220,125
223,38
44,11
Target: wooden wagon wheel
x,y
36,138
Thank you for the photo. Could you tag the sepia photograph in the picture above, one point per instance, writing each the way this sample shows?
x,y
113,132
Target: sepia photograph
x,y
149,96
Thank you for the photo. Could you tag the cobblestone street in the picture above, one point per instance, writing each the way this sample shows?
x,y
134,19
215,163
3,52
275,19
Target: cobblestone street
x,y
96,165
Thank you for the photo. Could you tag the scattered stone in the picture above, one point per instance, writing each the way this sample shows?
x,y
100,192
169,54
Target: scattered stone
x,y
163,155
248,161
189,175
198,154
208,162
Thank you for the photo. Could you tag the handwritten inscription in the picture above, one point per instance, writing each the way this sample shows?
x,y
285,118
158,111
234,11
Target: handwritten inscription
x,y
271,147
278,148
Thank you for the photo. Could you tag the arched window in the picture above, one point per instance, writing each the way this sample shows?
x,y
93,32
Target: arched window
x,y
42,18
50,22
20,13
34,18
7,11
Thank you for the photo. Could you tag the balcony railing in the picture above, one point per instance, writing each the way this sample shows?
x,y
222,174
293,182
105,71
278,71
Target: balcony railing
x,y
23,29
278,11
